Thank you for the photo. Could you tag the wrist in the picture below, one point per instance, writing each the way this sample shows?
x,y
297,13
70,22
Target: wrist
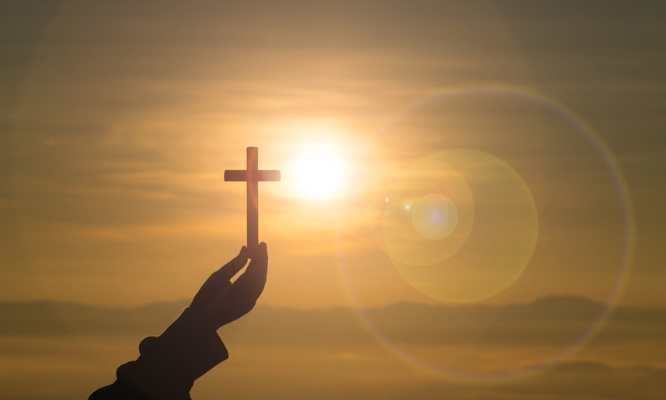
x,y
192,347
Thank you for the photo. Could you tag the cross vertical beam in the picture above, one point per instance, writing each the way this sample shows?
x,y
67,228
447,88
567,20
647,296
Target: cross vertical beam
x,y
252,197
252,175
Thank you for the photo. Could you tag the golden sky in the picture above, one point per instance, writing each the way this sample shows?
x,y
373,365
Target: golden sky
x,y
121,120
542,122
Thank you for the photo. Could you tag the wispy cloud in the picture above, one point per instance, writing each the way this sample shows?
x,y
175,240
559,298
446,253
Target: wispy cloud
x,y
43,336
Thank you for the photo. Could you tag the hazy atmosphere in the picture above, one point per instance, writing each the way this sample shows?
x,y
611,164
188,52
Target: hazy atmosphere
x,y
471,203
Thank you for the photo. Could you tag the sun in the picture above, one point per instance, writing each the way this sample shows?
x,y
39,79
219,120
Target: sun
x,y
318,173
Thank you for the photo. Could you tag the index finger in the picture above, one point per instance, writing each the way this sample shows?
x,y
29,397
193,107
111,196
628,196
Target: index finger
x,y
248,287
232,267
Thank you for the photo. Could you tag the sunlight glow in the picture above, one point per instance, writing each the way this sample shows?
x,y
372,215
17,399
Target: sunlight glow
x,y
319,173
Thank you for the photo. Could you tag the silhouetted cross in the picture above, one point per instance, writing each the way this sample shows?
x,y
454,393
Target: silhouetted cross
x,y
252,176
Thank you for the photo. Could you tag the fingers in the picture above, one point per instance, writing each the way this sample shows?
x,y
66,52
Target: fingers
x,y
219,301
232,267
259,264
251,283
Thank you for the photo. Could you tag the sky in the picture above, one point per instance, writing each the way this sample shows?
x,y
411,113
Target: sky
x,y
532,132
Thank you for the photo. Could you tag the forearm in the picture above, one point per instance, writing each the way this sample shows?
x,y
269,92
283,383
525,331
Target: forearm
x,y
168,364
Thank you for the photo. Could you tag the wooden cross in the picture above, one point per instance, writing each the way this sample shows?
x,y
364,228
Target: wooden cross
x,y
252,175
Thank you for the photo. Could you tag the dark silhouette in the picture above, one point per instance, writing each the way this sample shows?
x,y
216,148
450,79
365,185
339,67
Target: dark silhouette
x,y
169,364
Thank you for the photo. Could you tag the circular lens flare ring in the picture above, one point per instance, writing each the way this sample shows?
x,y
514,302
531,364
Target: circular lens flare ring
x,y
435,216
426,179
582,128
471,259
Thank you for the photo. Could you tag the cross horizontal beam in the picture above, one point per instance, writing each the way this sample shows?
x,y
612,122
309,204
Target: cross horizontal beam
x,y
234,175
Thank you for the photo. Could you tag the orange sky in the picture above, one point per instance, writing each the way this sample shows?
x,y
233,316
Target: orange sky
x,y
501,169
121,121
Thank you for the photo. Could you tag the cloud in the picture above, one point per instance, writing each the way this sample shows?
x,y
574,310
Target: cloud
x,y
541,322
350,362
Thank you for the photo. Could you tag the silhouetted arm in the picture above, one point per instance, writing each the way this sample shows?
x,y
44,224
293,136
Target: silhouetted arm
x,y
169,364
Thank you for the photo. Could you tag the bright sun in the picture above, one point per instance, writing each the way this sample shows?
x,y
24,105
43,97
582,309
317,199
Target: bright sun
x,y
318,173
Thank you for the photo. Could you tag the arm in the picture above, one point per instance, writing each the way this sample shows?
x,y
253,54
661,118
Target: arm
x,y
169,364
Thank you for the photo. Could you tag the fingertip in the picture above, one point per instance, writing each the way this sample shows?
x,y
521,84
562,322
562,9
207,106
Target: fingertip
x,y
227,271
263,250
259,252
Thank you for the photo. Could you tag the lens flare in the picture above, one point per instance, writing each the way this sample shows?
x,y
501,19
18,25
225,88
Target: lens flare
x,y
453,193
435,216
429,240
411,197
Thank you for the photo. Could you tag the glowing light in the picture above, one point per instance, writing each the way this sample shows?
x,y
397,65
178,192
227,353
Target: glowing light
x,y
485,195
319,173
435,216
438,190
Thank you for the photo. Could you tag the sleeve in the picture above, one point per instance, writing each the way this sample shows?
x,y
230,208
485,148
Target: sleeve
x,y
168,365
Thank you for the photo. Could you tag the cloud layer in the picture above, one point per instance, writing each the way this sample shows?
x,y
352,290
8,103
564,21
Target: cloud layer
x,y
41,337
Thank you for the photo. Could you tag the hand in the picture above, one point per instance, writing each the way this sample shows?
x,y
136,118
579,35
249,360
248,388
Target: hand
x,y
219,301
189,347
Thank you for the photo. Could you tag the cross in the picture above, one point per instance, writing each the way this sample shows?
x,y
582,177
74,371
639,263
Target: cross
x,y
252,175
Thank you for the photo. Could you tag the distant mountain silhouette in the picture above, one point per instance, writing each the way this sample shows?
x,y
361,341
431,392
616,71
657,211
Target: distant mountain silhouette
x,y
550,320
49,318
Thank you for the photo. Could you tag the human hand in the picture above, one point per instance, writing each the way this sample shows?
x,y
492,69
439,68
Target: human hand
x,y
219,301
189,347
